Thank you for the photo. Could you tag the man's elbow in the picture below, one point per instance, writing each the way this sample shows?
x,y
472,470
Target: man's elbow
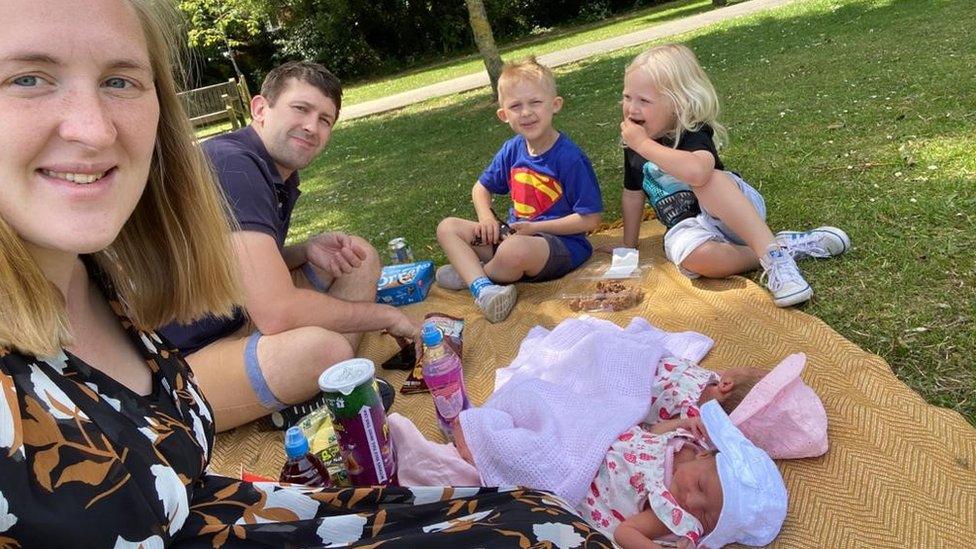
x,y
271,319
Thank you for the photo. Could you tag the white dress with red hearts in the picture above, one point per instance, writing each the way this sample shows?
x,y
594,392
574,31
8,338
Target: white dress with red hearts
x,y
634,475
678,384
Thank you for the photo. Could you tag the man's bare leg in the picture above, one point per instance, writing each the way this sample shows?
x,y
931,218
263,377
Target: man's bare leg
x,y
283,367
358,285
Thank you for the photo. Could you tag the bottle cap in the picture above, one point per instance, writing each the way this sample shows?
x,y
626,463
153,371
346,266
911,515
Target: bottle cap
x,y
431,335
296,445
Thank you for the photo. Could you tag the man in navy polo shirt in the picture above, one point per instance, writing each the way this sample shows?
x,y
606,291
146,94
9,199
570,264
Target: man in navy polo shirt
x,y
305,305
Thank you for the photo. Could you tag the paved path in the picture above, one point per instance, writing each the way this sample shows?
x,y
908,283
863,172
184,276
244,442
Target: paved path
x,y
472,81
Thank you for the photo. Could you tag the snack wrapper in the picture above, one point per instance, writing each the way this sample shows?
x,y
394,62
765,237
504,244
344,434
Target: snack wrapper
x,y
323,443
453,330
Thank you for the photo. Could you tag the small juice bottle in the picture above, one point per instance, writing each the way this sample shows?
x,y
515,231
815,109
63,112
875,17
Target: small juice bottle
x,y
445,378
301,466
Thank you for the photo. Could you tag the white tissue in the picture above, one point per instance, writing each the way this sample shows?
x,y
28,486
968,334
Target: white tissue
x,y
624,263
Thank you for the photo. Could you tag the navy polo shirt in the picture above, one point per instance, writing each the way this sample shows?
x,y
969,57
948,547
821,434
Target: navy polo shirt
x,y
260,201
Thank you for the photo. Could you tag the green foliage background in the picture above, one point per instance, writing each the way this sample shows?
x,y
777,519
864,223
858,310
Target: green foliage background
x,y
364,38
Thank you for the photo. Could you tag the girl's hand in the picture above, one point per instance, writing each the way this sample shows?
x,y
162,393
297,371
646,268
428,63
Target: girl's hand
x,y
633,134
685,543
608,248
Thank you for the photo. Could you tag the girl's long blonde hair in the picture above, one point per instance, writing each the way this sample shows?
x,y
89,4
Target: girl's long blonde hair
x,y
676,74
172,259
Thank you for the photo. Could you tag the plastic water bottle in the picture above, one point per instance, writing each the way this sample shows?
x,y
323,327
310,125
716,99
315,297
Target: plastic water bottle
x,y
301,466
444,377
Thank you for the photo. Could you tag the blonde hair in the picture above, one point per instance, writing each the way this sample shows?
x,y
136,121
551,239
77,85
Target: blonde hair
x,y
527,69
172,259
676,74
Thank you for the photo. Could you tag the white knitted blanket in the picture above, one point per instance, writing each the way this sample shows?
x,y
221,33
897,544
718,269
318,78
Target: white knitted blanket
x,y
564,399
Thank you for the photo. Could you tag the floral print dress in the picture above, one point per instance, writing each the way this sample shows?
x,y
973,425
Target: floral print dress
x,y
86,462
634,476
678,384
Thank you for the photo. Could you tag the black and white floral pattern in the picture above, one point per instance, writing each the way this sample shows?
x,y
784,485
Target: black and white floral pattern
x,y
86,462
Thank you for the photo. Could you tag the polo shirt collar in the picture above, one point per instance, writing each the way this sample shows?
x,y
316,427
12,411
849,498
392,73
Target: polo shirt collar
x,y
252,137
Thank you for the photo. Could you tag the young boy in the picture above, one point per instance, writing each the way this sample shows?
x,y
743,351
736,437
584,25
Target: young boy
x,y
555,195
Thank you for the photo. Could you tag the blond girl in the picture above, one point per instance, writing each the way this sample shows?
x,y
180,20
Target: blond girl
x,y
715,221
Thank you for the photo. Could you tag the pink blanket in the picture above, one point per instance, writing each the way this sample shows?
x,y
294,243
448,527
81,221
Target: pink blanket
x,y
567,395
421,462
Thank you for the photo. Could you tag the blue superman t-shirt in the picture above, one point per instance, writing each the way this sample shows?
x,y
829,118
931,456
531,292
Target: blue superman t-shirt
x,y
557,183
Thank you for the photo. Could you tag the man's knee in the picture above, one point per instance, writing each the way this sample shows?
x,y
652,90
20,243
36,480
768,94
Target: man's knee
x,y
372,261
309,348
325,348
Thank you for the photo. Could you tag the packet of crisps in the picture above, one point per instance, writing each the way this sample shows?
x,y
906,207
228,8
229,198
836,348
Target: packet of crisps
x,y
323,444
453,330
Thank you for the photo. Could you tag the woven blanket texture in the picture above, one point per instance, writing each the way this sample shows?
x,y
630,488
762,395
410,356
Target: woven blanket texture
x,y
899,472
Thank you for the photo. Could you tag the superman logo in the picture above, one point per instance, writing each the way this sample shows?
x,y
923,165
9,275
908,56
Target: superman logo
x,y
533,193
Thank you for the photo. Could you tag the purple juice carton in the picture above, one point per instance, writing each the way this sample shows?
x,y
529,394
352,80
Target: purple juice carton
x,y
405,283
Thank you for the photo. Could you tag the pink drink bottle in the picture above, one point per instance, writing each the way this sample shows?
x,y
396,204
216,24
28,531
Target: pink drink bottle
x,y
444,377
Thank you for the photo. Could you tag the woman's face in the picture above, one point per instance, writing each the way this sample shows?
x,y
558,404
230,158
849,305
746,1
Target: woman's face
x,y
78,118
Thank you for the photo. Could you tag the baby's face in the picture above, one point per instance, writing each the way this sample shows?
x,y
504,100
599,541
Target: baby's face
x,y
697,488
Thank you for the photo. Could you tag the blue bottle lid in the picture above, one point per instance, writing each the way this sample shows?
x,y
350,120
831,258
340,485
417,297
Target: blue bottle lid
x,y
296,445
431,335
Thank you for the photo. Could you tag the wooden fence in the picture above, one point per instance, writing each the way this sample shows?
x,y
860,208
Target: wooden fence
x,y
225,102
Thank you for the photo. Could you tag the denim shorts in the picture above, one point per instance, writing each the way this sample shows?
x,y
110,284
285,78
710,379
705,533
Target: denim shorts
x,y
685,237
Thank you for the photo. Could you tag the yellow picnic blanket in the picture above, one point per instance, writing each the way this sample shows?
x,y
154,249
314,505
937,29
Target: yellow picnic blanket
x,y
899,473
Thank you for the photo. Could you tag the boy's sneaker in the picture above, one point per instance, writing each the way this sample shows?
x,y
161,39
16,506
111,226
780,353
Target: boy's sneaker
x,y
820,242
497,301
783,279
291,415
448,278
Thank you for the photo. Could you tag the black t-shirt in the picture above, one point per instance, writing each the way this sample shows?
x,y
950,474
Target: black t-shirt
x,y
672,200
699,140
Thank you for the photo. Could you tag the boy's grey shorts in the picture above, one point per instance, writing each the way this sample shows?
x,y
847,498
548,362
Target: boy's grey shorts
x,y
560,261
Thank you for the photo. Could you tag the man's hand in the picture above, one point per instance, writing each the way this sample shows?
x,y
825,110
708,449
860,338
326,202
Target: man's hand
x,y
524,228
633,134
402,326
334,253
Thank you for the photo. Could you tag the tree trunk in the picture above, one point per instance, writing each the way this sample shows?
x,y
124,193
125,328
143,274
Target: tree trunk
x,y
485,41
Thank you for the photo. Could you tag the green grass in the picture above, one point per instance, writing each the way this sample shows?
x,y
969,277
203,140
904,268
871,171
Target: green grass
x,y
856,113
551,40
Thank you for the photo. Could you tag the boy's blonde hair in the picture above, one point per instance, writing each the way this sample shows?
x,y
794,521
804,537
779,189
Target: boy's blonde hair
x,y
676,74
527,69
172,259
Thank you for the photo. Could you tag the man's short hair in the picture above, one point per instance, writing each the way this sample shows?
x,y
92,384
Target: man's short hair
x,y
527,69
305,71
